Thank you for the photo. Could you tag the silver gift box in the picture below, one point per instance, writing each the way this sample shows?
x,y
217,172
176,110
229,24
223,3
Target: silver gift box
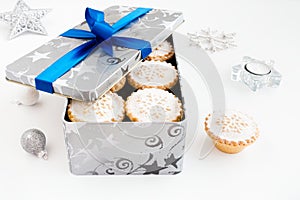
x,y
98,72
121,148
126,148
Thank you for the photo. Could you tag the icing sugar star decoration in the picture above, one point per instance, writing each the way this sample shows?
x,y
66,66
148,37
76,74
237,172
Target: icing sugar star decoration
x,y
24,19
212,40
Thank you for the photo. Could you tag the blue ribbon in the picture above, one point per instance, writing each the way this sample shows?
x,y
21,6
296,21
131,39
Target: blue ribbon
x,y
101,33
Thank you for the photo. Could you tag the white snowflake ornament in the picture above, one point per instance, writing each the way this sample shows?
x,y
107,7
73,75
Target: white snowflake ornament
x,y
24,19
212,40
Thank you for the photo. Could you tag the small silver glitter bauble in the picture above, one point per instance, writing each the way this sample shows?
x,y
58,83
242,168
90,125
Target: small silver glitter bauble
x,y
34,141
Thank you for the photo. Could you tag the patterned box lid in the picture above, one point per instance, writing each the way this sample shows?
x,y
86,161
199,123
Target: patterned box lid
x,y
95,75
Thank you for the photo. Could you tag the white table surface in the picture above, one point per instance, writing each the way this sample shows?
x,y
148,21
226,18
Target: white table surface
x,y
269,169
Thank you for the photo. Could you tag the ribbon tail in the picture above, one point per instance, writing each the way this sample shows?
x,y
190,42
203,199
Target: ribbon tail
x,y
79,34
134,15
92,16
45,79
133,43
107,46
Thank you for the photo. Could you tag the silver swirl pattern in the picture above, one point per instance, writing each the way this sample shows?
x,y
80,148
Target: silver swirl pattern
x,y
113,60
110,171
124,164
154,141
175,130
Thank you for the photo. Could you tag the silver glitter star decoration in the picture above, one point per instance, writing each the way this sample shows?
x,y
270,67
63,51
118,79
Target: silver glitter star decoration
x,y
212,40
24,19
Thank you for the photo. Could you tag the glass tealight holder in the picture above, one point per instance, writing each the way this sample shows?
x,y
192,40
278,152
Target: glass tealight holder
x,y
256,74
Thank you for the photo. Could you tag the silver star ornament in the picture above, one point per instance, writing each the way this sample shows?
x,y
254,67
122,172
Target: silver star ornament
x,y
24,19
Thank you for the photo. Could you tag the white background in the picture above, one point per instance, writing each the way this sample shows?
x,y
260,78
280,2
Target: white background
x,y
269,169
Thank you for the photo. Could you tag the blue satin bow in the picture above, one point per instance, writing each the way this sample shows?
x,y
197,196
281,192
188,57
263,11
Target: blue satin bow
x,y
101,33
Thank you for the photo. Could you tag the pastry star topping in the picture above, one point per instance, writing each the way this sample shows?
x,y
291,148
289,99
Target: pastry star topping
x,y
24,19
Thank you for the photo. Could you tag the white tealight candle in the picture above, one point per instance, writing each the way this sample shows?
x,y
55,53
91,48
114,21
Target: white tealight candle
x,y
258,68
256,74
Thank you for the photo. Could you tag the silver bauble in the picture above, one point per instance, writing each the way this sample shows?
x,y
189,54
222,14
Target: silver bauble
x,y
34,141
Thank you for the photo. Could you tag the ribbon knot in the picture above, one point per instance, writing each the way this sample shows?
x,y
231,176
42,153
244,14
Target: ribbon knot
x,y
98,26
100,33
